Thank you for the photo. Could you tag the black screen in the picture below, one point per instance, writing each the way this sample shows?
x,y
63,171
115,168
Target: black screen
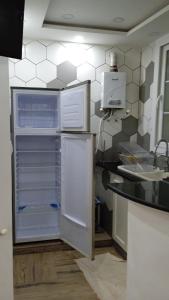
x,y
11,27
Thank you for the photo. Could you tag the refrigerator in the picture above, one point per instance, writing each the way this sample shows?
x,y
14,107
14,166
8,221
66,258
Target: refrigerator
x,y
53,195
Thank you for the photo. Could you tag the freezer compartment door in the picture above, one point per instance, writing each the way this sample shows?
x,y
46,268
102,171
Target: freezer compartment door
x,y
75,108
77,197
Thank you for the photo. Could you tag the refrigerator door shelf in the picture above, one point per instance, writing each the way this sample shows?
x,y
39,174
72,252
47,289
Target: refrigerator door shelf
x,y
77,201
75,108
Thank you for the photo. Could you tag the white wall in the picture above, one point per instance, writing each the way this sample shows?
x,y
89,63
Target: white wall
x,y
6,250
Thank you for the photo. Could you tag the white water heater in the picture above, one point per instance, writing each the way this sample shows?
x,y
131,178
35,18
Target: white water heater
x,y
113,90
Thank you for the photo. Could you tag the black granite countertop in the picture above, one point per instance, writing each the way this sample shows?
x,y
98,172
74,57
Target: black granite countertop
x,y
154,194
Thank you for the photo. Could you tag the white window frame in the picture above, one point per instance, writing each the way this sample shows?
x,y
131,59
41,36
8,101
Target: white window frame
x,y
160,48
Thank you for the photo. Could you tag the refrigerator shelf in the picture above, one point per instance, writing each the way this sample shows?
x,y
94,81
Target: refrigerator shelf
x,y
37,167
37,151
37,110
38,186
38,209
54,187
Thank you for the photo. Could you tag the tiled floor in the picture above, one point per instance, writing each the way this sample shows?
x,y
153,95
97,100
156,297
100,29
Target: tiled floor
x,y
52,276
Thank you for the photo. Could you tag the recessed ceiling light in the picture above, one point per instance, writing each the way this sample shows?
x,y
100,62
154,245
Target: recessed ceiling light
x,y
68,16
79,39
118,20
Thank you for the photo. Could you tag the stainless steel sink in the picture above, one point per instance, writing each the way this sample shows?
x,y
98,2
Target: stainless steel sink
x,y
146,172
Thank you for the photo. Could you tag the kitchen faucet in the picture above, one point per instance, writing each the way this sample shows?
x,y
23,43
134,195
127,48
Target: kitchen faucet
x,y
166,153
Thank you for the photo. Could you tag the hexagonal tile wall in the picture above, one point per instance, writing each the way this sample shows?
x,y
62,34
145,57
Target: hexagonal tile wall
x,y
144,141
130,125
86,72
100,70
112,126
95,91
56,53
96,56
106,141
16,82
146,96
66,72
35,52
132,92
46,71
118,138
132,59
97,110
56,84
145,87
147,55
25,70
128,72
58,64
36,83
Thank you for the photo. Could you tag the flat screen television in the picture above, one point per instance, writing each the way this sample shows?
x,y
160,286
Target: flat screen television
x,y
11,28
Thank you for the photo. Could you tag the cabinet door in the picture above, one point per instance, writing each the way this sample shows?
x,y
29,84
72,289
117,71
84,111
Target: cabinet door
x,y
77,200
120,210
75,108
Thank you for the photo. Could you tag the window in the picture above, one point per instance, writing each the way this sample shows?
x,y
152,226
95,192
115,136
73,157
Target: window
x,y
164,105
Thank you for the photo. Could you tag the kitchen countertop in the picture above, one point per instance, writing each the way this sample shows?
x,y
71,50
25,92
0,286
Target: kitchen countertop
x,y
154,194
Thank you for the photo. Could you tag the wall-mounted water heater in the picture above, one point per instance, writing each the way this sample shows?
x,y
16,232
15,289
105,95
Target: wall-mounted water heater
x,y
113,90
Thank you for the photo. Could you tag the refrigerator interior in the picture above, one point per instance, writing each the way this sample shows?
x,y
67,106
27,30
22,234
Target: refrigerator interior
x,y
37,186
37,110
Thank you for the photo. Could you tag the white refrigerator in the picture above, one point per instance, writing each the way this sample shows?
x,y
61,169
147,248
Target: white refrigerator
x,y
53,195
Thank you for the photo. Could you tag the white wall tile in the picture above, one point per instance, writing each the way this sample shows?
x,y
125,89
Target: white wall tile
x,y
86,72
96,56
35,52
132,59
25,70
106,141
100,70
46,71
136,76
147,54
95,122
36,83
16,82
112,127
132,92
95,91
128,72
56,53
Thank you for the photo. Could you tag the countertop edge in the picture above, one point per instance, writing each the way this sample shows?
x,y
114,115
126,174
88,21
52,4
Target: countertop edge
x,y
135,199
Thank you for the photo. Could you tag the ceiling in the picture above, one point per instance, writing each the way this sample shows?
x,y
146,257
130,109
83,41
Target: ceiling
x,y
111,22
121,14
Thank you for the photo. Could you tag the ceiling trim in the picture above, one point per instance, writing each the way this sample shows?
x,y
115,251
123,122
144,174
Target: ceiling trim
x,y
155,16
81,28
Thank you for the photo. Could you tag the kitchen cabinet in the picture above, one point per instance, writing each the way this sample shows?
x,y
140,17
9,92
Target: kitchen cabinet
x,y
120,211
